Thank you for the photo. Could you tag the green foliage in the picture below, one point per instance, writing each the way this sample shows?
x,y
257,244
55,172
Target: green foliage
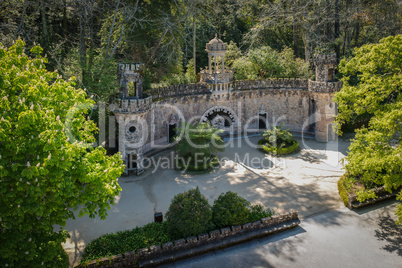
x,y
125,241
190,74
278,137
342,191
258,211
264,146
48,167
372,83
197,145
265,62
189,214
230,209
278,141
99,78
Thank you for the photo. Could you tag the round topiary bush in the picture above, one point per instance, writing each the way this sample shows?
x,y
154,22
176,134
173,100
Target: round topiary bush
x,y
189,214
230,209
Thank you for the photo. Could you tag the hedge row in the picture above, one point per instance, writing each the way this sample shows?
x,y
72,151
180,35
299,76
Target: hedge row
x,y
342,191
269,149
189,214
116,243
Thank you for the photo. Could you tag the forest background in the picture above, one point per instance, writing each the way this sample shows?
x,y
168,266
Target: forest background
x,y
267,38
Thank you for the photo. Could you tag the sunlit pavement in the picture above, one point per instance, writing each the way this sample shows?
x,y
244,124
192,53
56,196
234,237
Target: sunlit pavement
x,y
305,181
364,238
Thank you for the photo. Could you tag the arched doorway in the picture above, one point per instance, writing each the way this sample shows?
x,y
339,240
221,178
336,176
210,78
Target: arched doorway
x,y
222,117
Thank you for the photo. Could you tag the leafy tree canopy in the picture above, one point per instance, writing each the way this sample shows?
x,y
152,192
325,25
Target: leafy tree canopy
x,y
48,167
372,84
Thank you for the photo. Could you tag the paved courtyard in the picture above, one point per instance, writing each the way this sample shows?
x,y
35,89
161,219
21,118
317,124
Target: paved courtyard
x,y
305,181
366,238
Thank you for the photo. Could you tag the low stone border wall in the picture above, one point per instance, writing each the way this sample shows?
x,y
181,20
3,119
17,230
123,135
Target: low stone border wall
x,y
191,246
380,192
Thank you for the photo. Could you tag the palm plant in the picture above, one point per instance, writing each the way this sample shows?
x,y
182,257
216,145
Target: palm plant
x,y
198,142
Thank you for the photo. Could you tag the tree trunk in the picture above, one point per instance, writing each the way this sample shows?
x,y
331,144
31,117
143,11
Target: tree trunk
x,y
194,47
295,33
336,30
82,48
44,26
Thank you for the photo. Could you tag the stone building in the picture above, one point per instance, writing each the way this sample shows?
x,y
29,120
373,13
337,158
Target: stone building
x,y
148,121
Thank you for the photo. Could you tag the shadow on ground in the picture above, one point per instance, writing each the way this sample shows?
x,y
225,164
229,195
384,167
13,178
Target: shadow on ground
x,y
390,233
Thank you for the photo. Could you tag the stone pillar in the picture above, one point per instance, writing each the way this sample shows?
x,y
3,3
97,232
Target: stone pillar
x,y
122,140
123,92
223,63
215,71
209,64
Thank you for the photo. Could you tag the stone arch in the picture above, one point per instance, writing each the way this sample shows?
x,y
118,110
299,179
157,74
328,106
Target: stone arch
x,y
172,122
219,111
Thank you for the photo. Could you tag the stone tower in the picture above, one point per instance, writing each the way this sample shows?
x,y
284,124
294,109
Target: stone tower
x,y
130,80
216,76
322,107
131,109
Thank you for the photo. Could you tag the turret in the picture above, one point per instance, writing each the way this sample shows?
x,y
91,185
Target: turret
x,y
216,76
130,81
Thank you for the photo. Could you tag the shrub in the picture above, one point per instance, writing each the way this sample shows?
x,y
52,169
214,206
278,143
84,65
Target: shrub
x,y
230,209
197,147
258,212
129,240
269,149
342,190
189,214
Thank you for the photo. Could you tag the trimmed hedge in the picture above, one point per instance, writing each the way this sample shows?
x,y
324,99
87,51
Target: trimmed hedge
x,y
264,146
189,214
258,212
230,209
125,241
342,191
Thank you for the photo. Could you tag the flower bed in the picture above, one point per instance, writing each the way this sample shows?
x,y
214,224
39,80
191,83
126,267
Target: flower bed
x,y
349,197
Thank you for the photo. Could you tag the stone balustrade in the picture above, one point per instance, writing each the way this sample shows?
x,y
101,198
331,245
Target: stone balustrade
x,y
131,105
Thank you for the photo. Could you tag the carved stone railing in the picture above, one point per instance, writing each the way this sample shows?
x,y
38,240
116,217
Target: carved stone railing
x,y
324,87
178,91
131,105
286,83
216,78
262,84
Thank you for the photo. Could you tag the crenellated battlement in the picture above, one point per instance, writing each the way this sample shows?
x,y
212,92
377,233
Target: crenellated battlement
x,y
179,90
324,87
131,105
325,58
129,67
288,83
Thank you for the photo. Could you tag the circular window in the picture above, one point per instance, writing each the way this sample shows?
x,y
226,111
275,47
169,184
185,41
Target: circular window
x,y
132,129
